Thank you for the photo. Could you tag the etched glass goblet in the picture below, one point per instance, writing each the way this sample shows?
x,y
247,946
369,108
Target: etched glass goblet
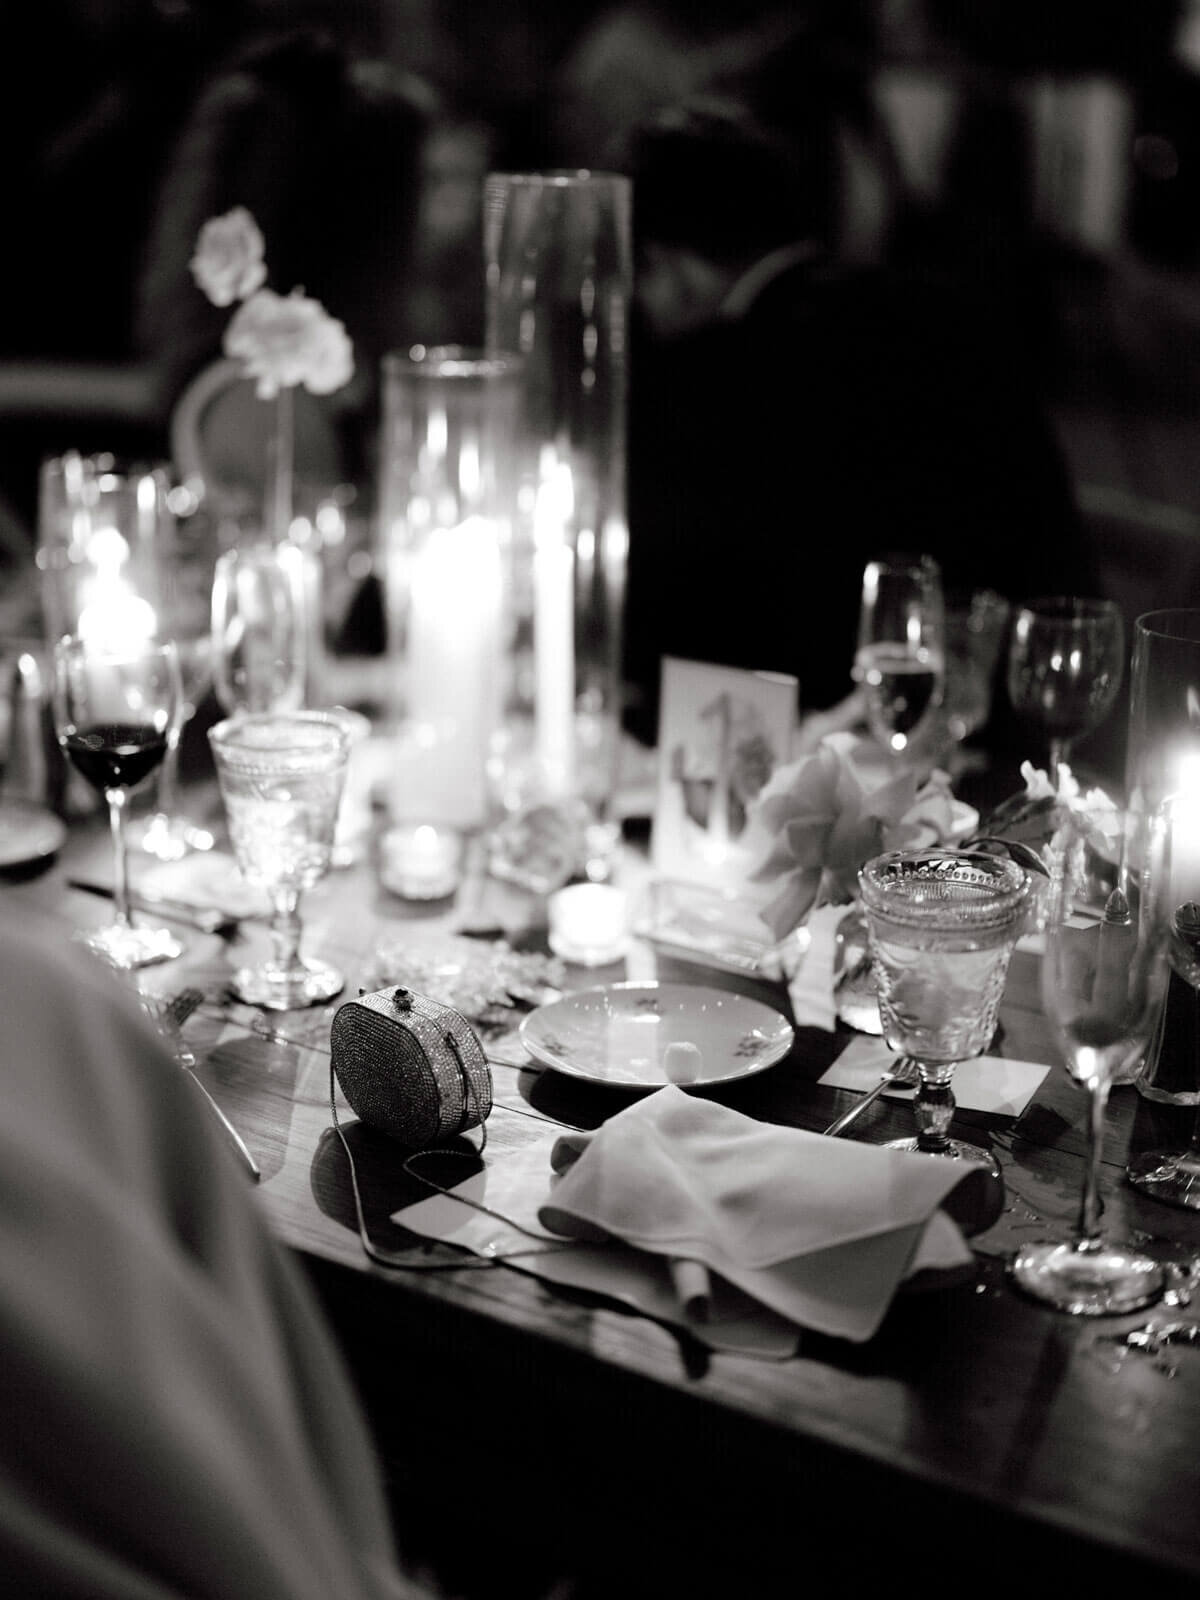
x,y
941,925
281,776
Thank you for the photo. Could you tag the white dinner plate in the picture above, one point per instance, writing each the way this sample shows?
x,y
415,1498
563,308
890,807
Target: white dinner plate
x,y
28,832
620,1034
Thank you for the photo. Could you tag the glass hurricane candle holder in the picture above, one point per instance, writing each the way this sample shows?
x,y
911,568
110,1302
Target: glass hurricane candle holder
x,y
559,264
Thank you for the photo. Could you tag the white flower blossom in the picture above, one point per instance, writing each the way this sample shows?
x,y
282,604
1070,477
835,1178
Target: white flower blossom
x,y
284,340
228,264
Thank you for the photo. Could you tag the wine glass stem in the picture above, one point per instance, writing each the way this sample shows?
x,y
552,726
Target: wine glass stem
x,y
1088,1237
168,777
116,820
933,1107
285,931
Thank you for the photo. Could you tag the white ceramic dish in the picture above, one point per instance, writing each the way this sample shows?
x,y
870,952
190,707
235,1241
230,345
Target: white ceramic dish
x,y
28,833
623,1033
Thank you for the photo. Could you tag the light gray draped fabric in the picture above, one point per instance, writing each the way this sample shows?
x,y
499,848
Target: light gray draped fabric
x,y
176,1420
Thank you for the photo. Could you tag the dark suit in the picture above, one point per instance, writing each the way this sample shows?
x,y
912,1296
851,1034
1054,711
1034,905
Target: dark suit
x,y
843,414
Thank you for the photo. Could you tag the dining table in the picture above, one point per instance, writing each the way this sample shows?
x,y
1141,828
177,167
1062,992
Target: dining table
x,y
531,1432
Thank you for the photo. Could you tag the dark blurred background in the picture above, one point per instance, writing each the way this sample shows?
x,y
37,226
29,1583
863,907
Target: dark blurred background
x,y
1042,155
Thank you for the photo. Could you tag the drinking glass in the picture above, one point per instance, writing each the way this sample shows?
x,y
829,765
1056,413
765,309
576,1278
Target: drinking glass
x,y
900,660
185,553
1102,986
1066,659
975,629
559,283
259,613
1173,1175
114,709
941,925
281,776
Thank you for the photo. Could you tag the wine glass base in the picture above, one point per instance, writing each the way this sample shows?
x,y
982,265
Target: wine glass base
x,y
123,946
1170,1175
954,1150
1088,1283
310,984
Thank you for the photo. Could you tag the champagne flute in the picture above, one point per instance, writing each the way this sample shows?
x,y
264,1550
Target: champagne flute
x,y
1066,659
1102,987
899,659
185,554
941,925
281,776
114,708
259,629
975,630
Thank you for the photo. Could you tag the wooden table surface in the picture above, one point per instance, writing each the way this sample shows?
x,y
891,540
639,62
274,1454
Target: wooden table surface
x,y
979,1438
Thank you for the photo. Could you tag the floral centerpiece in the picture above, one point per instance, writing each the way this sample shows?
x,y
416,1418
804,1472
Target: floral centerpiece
x,y
281,341
822,817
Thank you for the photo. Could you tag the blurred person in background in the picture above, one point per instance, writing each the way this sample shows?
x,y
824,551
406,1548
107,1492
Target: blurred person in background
x,y
799,405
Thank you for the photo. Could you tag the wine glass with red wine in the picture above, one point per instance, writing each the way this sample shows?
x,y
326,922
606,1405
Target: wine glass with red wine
x,y
114,711
1066,660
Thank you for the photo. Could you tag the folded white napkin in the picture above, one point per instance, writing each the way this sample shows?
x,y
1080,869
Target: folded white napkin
x,y
986,1083
819,1230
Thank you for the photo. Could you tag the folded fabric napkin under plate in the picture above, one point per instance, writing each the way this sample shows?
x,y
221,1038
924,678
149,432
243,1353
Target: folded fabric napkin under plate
x,y
988,1083
797,1230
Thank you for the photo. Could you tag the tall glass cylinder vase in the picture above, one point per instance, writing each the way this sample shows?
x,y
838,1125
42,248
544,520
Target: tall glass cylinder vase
x,y
1163,764
559,278
447,499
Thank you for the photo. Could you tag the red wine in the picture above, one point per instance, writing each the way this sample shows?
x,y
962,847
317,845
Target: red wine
x,y
116,755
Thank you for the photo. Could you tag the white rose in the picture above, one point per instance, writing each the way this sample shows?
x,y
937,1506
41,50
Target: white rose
x,y
228,263
329,356
283,340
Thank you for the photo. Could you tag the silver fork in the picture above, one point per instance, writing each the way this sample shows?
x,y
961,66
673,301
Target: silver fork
x,y
171,1015
902,1071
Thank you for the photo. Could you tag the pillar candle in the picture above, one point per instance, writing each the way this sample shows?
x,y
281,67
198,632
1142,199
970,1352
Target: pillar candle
x,y
554,630
454,666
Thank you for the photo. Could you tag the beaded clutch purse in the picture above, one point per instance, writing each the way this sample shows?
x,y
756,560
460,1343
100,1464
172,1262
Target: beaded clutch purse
x,y
410,1066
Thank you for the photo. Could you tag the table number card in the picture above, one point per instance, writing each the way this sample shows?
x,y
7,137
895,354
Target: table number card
x,y
722,732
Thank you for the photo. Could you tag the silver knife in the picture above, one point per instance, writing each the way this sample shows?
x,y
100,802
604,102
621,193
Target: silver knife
x,y
206,919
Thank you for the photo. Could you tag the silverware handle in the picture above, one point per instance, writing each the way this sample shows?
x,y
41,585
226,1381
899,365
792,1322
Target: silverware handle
x,y
847,1117
228,1126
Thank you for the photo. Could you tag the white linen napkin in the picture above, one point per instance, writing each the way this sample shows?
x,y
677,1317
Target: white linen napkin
x,y
821,1232
987,1083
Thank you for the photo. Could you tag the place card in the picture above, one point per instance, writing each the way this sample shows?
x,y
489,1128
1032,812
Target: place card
x,y
988,1083
722,732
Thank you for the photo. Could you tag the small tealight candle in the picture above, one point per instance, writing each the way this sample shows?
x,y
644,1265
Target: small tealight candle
x,y
589,923
420,863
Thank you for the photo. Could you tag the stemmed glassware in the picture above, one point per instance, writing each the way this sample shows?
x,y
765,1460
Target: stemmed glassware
x,y
259,658
1066,660
281,776
1102,989
900,656
941,927
114,709
975,631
